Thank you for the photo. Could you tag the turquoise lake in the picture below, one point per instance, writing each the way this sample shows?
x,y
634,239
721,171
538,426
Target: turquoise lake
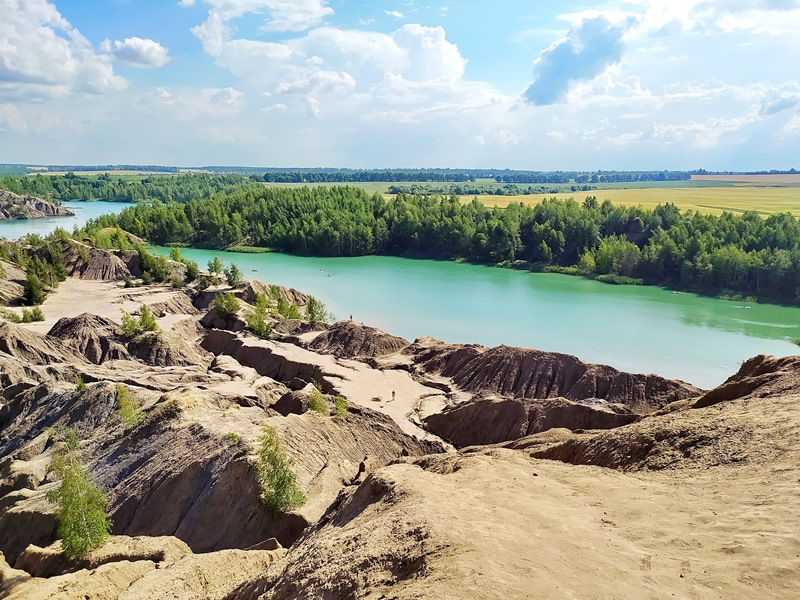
x,y
640,329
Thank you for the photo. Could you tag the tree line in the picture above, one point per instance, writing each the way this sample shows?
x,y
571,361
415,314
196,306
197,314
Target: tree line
x,y
664,245
72,187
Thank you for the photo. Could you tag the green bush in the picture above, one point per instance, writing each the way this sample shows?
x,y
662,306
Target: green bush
x,y
131,326
233,275
257,320
316,402
81,513
316,312
233,438
215,266
33,291
192,270
226,304
129,410
80,384
340,407
279,490
288,310
9,315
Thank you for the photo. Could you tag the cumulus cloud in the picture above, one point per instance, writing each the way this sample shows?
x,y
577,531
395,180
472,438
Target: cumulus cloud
x,y
137,51
780,103
395,13
43,55
589,48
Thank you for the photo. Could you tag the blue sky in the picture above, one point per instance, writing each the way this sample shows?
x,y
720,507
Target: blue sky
x,y
642,84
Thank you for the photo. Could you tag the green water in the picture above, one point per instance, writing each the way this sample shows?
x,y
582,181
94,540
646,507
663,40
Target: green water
x,y
638,329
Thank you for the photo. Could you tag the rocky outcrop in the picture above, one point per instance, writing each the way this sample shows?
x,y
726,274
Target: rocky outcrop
x,y
87,262
20,342
760,376
527,373
494,420
14,206
95,338
347,339
260,356
167,350
133,569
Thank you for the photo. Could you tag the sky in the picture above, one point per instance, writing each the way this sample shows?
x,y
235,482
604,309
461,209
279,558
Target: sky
x,y
520,84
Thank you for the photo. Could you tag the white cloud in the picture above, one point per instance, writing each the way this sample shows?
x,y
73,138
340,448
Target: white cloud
x,y
507,138
395,13
590,47
707,134
280,15
137,51
186,104
43,55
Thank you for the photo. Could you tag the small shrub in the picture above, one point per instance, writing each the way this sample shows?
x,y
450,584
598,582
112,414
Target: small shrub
x,y
316,312
176,283
340,407
233,275
33,291
80,384
37,314
316,402
192,270
131,326
288,310
257,320
215,266
10,315
226,304
130,413
232,438
279,490
147,278
147,321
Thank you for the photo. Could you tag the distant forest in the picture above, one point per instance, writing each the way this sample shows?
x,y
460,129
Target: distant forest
x,y
72,187
456,176
745,253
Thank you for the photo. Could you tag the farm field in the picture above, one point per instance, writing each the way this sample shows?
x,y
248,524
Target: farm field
x,y
714,200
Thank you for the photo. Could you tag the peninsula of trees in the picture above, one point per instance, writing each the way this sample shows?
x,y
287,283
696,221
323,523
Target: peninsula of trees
x,y
742,253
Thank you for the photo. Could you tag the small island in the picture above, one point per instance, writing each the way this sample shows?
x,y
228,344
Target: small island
x,y
14,206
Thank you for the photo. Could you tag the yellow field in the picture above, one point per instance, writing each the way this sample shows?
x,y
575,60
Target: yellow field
x,y
713,200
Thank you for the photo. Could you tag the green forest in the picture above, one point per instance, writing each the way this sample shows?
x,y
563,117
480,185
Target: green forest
x,y
745,253
71,187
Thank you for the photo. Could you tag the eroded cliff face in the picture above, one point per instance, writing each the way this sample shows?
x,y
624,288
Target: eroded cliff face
x,y
528,373
14,206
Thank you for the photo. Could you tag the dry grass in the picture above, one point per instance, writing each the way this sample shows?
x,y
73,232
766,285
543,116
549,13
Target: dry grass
x,y
786,179
713,200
